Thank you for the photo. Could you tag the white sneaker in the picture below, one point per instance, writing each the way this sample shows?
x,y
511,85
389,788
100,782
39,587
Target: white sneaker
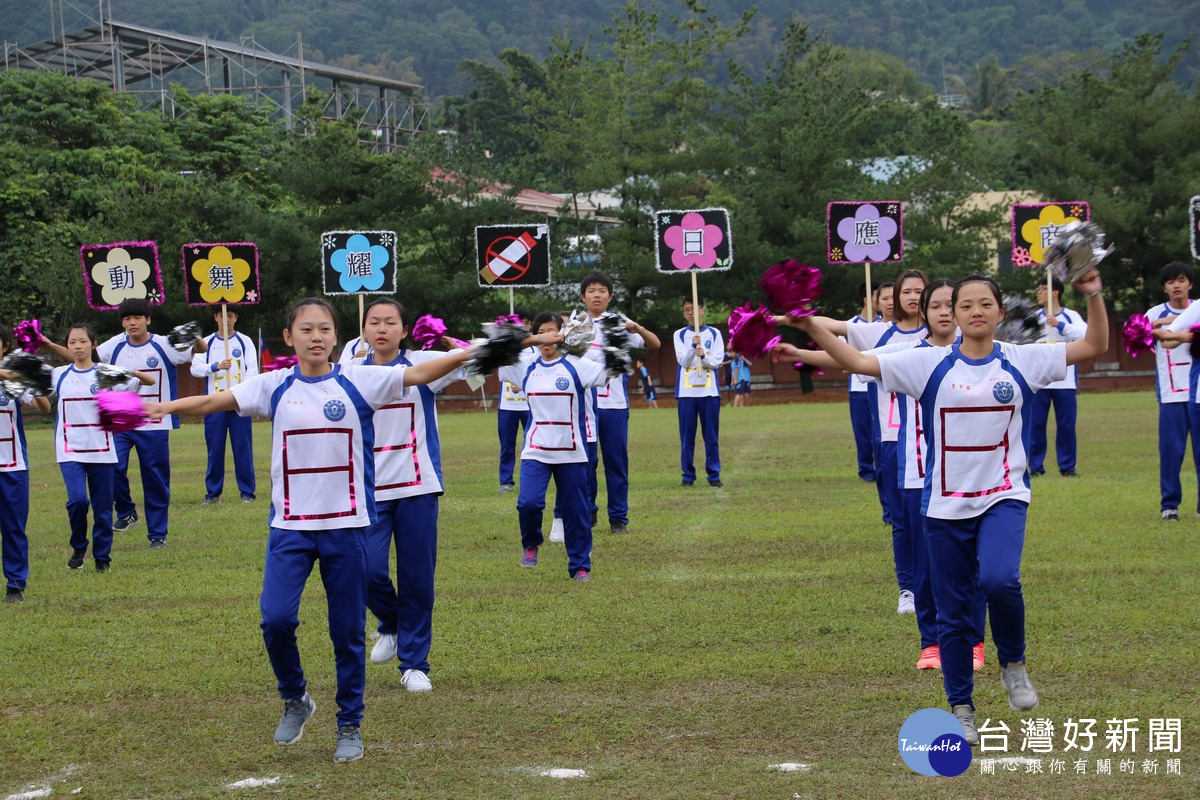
x,y
907,604
416,681
384,650
556,531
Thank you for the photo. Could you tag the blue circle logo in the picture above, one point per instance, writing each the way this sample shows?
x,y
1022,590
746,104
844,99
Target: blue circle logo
x,y
335,410
95,387
1003,392
931,743
561,384
3,399
236,353
152,361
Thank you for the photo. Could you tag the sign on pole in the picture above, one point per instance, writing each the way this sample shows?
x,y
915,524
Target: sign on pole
x,y
1035,225
858,232
225,272
697,240
121,271
512,255
358,262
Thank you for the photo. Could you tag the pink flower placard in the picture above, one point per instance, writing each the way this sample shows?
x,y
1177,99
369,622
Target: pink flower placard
x,y
697,240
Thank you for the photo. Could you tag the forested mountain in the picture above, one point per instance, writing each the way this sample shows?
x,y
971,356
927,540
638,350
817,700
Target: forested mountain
x,y
945,42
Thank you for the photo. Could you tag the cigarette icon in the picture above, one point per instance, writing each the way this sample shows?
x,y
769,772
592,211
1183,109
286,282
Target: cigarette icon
x,y
508,258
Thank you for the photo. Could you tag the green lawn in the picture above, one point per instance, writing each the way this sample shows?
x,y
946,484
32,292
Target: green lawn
x,y
728,631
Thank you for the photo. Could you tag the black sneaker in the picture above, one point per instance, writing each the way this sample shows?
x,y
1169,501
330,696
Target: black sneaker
x,y
103,566
76,559
14,596
248,498
1068,473
690,484
1036,473
617,527
212,499
125,523
594,519
716,484
158,544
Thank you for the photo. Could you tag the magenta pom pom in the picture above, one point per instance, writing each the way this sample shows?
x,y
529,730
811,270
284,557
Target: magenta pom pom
x,y
791,287
1195,348
428,331
459,343
1137,335
281,362
28,334
511,319
120,411
752,331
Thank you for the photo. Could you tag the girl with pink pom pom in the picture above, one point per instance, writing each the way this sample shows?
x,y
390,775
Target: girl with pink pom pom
x,y
86,453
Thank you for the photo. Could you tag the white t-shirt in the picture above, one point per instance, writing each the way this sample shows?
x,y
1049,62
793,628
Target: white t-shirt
x,y
974,416
557,392
867,336
242,353
693,377
1173,366
347,355
14,453
156,357
511,396
77,432
1070,328
322,441
857,384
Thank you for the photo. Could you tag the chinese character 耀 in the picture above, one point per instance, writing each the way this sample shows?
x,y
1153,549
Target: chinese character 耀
x,y
120,277
220,278
1165,734
1121,734
866,232
358,264
1071,731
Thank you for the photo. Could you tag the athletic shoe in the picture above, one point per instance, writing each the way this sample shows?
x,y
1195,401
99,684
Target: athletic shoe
x,y
14,596
158,544
978,656
867,478
530,557
1068,473
125,523
349,744
966,717
690,484
716,484
296,712
1021,694
1170,515
556,531
581,575
212,499
931,658
907,604
103,566
505,488
617,527
76,559
1036,473
248,498
595,518
385,649
416,681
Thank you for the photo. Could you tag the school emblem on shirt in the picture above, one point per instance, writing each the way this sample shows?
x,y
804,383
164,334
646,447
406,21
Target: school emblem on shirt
x,y
1003,392
335,410
95,387
3,399
152,361
236,353
561,384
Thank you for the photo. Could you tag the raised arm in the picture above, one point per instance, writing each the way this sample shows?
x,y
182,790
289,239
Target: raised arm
x,y
57,349
652,341
1096,340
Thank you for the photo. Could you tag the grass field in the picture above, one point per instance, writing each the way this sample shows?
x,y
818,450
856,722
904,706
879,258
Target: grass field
x,y
729,631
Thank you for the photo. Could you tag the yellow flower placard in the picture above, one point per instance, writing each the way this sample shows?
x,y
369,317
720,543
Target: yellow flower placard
x,y
121,271
224,272
1034,226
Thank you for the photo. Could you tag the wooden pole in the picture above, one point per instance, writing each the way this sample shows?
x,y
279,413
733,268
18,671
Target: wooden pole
x,y
695,304
361,350
870,305
511,302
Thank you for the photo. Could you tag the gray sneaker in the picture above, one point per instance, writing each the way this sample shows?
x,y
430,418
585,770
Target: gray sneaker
x,y
1015,680
295,713
966,717
349,744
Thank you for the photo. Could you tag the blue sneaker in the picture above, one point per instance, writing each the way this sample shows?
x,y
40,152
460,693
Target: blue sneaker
x,y
296,712
349,744
530,557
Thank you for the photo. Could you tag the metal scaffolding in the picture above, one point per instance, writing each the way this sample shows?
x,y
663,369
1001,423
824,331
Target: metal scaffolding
x,y
145,62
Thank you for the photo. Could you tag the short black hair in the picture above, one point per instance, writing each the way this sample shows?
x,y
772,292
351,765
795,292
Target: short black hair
x,y
688,298
544,317
885,285
862,293
594,278
1174,270
523,313
133,307
6,339
1055,284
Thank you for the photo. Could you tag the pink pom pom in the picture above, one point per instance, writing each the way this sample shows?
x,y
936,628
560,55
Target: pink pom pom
x,y
428,331
1138,335
120,411
281,362
28,334
791,287
511,319
1195,348
752,331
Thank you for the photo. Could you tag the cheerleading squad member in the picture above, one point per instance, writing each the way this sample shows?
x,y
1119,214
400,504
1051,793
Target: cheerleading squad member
x,y
907,326
1063,325
14,480
1171,386
557,385
322,501
697,393
230,359
86,453
408,483
976,495
512,412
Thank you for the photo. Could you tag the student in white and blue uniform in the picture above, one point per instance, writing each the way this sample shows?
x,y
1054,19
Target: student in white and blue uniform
x,y
1068,327
356,348
14,482
408,483
975,397
698,394
139,350
228,361
86,453
322,502
512,413
860,410
1171,387
557,386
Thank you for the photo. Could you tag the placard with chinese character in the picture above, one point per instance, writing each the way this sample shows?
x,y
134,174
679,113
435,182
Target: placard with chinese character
x,y
358,262
121,271
225,272
512,255
1034,226
1194,218
698,240
857,232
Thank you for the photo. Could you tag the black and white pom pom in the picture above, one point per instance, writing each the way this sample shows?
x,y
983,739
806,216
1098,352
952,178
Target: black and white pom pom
x,y
617,360
34,374
502,348
182,336
109,376
1020,324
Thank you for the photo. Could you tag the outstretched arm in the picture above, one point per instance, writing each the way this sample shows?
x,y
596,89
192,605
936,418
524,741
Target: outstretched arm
x,y
429,371
835,326
846,356
196,406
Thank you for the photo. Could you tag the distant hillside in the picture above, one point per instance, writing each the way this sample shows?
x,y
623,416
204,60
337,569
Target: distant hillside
x,y
939,39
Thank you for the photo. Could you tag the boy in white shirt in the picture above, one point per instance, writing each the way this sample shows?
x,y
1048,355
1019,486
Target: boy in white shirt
x,y
697,393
